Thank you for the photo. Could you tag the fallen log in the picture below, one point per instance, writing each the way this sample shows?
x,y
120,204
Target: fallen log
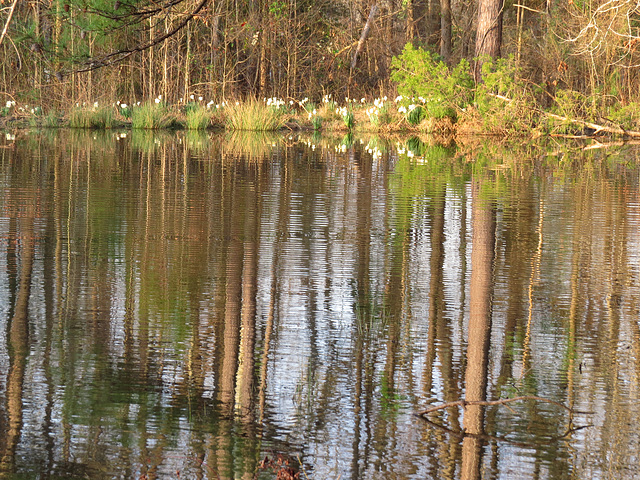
x,y
597,128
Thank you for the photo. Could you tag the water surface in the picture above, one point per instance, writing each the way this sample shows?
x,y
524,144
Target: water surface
x,y
183,306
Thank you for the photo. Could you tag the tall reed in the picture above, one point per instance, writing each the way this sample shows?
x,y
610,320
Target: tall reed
x,y
96,117
152,116
255,116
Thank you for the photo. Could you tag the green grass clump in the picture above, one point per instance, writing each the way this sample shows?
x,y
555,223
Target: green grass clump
x,y
94,118
416,115
152,116
253,116
316,122
197,118
51,119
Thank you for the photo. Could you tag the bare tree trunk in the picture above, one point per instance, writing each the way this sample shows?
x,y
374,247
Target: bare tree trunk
x,y
363,36
411,23
489,32
445,30
6,24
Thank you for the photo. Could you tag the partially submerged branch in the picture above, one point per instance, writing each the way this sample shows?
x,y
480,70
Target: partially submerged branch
x,y
504,401
596,127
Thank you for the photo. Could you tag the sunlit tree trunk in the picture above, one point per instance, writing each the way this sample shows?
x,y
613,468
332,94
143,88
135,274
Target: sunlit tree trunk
x,y
489,31
445,30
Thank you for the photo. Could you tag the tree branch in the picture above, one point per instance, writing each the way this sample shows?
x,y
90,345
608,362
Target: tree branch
x,y
6,25
118,56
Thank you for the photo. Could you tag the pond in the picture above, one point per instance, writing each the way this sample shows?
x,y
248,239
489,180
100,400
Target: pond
x,y
201,306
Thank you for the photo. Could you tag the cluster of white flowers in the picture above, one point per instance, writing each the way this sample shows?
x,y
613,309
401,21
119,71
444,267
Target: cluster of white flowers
x,y
303,101
398,99
158,99
10,104
10,137
379,102
342,111
274,102
326,98
312,113
373,113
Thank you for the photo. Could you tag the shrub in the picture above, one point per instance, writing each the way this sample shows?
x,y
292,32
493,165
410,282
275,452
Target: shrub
x,y
423,75
503,101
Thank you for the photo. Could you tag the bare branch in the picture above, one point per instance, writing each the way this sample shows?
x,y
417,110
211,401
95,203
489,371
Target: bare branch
x,y
120,55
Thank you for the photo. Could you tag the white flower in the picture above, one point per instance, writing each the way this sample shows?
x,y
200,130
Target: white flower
x,y
199,99
192,96
123,105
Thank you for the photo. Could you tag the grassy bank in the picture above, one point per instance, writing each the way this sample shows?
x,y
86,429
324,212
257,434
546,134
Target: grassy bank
x,y
433,99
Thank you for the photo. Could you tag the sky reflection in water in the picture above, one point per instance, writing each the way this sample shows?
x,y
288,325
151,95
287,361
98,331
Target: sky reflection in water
x,y
189,304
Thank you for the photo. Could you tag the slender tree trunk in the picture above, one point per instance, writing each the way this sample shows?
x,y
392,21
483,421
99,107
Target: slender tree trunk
x,y
364,35
187,64
6,24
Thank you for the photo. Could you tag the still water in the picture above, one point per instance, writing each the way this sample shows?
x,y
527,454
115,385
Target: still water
x,y
205,307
